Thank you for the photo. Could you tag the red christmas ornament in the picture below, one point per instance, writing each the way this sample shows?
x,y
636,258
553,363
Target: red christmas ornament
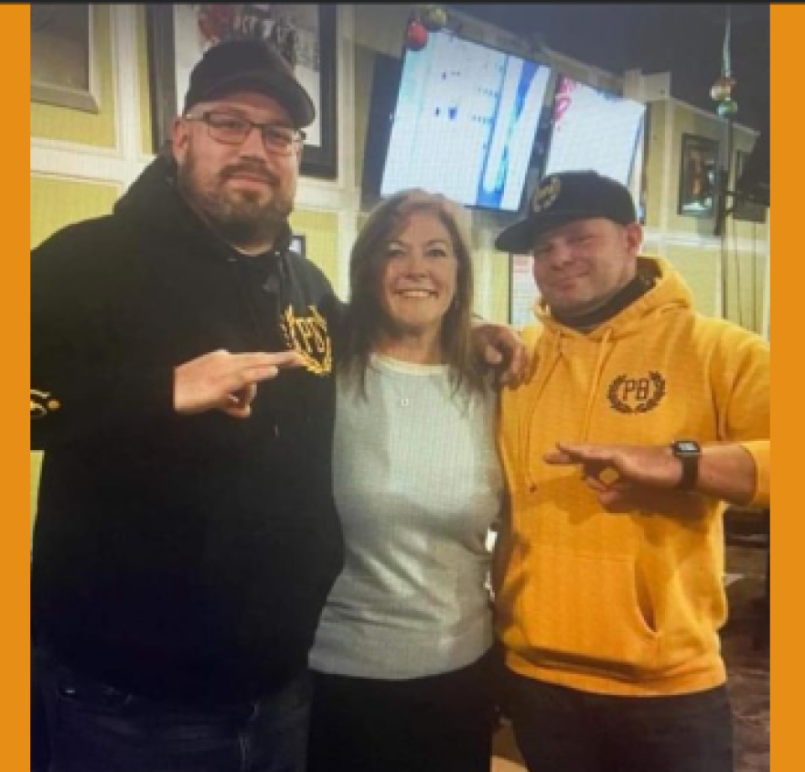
x,y
416,36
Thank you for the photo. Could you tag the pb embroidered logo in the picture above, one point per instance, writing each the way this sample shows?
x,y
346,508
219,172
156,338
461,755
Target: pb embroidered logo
x,y
636,395
546,194
308,335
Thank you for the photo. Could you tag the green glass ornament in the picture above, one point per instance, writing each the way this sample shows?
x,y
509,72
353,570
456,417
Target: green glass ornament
x,y
728,108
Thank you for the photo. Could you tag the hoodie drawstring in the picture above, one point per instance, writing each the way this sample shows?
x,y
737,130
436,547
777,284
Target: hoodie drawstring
x,y
525,428
531,425
599,369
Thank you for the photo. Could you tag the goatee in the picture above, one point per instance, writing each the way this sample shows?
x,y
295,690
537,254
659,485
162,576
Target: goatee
x,y
240,217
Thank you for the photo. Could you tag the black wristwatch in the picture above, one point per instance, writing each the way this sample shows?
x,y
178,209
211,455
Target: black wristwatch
x,y
688,452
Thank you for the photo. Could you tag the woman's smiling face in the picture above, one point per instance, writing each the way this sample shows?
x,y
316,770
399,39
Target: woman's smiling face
x,y
418,281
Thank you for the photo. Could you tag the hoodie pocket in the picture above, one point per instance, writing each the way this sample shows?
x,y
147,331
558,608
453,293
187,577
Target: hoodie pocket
x,y
585,608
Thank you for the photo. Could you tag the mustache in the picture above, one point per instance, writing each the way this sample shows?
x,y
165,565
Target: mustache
x,y
254,170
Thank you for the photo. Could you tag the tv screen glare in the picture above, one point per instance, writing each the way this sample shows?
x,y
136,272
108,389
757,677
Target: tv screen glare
x,y
464,124
593,129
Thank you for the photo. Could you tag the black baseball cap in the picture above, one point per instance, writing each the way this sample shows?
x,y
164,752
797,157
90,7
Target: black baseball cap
x,y
563,198
251,65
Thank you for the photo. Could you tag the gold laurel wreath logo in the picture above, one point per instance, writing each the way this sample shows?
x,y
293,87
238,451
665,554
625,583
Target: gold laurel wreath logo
x,y
644,407
546,194
42,404
290,325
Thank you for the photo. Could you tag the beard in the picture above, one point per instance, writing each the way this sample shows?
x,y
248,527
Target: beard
x,y
241,217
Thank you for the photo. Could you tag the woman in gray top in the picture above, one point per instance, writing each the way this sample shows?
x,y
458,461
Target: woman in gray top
x,y
403,654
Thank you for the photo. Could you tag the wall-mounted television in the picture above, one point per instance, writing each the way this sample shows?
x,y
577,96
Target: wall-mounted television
x,y
593,129
464,123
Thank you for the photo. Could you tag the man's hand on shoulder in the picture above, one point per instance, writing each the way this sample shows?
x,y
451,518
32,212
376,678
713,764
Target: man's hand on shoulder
x,y
499,347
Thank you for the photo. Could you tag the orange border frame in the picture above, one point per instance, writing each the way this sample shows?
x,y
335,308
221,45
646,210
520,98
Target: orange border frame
x,y
15,321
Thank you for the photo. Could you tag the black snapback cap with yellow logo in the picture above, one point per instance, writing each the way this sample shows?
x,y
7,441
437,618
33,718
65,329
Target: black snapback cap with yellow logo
x,y
563,198
249,65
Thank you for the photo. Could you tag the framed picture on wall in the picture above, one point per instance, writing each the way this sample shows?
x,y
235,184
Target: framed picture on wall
x,y
744,209
698,176
178,36
63,68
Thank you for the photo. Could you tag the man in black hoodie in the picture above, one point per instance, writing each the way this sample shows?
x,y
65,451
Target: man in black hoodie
x,y
182,554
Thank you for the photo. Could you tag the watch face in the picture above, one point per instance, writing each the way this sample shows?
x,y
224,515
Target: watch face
x,y
686,446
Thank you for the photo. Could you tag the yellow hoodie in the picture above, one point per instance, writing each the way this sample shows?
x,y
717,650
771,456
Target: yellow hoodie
x,y
624,604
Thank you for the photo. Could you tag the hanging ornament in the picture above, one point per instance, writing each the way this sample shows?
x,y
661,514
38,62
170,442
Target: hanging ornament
x,y
721,91
433,18
416,36
727,108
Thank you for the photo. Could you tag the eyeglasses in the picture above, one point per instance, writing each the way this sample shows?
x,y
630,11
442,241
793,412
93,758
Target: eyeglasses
x,y
234,130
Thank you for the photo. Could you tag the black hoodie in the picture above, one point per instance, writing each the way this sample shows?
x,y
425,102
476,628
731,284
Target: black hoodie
x,y
180,557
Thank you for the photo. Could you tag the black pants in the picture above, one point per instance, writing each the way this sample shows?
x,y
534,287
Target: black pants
x,y
440,723
572,731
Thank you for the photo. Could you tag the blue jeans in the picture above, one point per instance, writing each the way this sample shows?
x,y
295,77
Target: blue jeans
x,y
94,727
564,729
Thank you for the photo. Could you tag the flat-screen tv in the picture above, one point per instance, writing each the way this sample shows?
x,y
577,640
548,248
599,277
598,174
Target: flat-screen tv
x,y
464,123
593,129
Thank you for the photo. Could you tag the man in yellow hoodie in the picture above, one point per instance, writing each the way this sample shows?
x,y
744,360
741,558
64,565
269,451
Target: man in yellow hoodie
x,y
639,421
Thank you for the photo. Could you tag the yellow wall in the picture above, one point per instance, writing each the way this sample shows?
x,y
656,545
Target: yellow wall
x,y
51,122
57,202
321,239
36,470
745,279
708,271
99,130
143,84
699,268
653,174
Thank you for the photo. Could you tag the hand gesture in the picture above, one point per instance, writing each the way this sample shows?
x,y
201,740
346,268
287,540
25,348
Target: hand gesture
x,y
226,382
624,477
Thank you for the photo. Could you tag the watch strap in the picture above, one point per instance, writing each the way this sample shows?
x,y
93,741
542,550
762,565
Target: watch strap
x,y
688,452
